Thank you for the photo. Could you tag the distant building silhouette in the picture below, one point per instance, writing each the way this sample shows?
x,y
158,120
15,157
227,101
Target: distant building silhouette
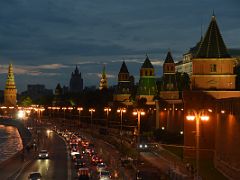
x,y
36,91
58,96
10,93
103,81
76,81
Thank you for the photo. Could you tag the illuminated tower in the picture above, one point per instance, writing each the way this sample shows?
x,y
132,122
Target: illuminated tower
x,y
147,83
103,82
212,66
10,92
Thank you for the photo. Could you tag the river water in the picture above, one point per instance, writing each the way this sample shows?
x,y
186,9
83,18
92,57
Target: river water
x,y
10,142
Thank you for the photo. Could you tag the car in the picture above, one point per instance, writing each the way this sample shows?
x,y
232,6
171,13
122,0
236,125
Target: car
x,y
83,173
35,176
74,152
104,175
95,160
143,147
77,157
43,154
101,166
79,164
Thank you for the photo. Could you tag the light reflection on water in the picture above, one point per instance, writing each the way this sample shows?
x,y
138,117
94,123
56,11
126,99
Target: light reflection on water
x,y
10,142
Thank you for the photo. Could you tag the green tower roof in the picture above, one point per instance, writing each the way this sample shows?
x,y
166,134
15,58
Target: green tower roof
x,y
212,45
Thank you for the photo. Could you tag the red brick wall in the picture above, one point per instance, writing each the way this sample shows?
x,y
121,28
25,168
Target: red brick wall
x,y
198,101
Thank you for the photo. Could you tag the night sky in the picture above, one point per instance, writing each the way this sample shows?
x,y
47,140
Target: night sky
x,y
45,39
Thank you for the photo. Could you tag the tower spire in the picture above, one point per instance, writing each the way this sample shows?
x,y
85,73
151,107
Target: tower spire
x,y
103,81
10,92
212,45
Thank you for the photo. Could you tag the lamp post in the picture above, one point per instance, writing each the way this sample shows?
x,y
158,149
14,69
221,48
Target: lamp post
x,y
107,109
138,113
64,109
197,116
91,110
121,111
71,120
79,111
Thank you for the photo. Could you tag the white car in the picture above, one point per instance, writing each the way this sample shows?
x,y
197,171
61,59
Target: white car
x,y
43,154
101,167
104,175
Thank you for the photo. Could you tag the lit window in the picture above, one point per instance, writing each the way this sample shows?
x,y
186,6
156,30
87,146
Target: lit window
x,y
213,67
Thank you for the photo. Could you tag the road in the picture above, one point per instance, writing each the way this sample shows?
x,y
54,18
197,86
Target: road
x,y
56,167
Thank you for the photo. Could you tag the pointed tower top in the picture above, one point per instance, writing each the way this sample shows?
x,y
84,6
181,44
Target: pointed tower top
x,y
104,71
10,84
124,68
213,14
147,63
212,45
76,70
58,86
169,58
103,80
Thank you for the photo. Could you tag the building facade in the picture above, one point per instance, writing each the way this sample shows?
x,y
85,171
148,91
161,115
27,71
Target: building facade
x,y
36,91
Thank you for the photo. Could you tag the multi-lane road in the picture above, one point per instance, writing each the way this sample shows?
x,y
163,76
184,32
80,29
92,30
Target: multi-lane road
x,y
57,166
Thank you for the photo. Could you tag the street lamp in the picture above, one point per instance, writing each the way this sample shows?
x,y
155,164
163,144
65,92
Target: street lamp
x,y
138,113
70,115
121,111
91,110
107,109
79,110
197,116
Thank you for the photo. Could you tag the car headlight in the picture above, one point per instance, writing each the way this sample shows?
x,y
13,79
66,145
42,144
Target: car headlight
x,y
39,155
47,155
140,145
145,146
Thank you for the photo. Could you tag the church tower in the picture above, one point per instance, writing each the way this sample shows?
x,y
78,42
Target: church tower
x,y
10,92
212,66
147,83
103,81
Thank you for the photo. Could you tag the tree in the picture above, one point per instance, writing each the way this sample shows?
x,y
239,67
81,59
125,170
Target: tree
x,y
25,101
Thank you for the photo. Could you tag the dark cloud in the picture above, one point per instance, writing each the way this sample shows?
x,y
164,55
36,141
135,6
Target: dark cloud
x,y
70,32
